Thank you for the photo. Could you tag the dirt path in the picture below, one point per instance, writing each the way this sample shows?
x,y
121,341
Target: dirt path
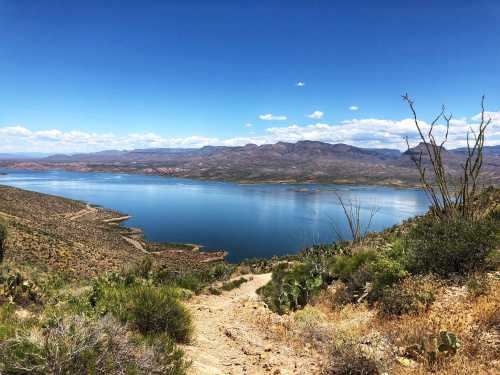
x,y
76,215
228,341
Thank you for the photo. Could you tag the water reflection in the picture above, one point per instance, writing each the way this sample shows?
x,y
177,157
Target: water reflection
x,y
247,220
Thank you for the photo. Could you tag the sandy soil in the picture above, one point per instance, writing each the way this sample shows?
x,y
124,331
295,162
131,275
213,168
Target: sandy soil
x,y
227,339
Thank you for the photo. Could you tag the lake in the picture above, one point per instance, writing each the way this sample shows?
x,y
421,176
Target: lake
x,y
259,220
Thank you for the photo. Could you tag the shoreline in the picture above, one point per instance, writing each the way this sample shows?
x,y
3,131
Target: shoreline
x,y
80,238
392,183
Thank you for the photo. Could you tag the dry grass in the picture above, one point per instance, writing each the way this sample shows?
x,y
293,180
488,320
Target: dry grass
x,y
337,334
476,323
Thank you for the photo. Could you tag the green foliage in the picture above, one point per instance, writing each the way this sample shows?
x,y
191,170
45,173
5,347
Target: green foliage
x,y
150,309
15,288
344,266
449,343
364,268
385,272
230,285
227,286
451,246
80,345
434,347
194,281
412,295
214,291
291,287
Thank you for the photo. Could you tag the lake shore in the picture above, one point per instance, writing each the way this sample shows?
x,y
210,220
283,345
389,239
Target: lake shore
x,y
79,239
324,180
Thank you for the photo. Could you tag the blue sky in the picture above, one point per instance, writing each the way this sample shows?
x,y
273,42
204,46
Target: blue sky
x,y
91,75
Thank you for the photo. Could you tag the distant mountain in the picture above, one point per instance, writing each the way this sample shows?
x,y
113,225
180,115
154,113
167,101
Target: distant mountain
x,y
304,161
306,149
488,150
23,155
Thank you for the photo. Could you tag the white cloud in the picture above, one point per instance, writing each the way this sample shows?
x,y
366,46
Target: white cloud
x,y
367,132
300,84
15,131
271,117
248,125
493,116
353,108
317,115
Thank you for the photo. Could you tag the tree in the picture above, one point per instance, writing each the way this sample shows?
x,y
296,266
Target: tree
x,y
449,197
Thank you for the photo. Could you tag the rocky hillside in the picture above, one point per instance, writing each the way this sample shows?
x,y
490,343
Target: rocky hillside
x,y
60,234
304,161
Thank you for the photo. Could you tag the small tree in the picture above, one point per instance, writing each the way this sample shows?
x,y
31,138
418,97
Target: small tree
x,y
3,238
448,197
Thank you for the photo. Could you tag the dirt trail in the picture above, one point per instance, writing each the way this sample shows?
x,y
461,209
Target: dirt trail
x,y
228,341
76,215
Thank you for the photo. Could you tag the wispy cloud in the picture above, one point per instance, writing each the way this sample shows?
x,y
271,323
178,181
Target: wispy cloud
x,y
493,116
317,115
353,108
300,84
248,125
271,117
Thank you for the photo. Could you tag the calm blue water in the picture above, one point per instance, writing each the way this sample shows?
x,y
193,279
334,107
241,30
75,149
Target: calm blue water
x,y
246,220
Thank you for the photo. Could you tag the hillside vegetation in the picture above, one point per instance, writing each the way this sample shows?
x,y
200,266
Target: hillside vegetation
x,y
80,294
419,297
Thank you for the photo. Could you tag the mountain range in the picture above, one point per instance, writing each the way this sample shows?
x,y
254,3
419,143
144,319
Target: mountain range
x,y
304,161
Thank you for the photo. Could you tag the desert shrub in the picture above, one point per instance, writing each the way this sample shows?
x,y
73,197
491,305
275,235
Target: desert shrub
x,y
310,325
384,272
220,271
348,357
434,348
15,288
344,266
412,295
233,284
143,269
189,281
79,345
195,281
3,238
291,287
337,295
366,273
151,310
451,246
350,363
214,291
478,285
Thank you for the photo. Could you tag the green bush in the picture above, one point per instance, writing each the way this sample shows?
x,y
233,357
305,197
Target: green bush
x,y
15,288
150,309
452,246
80,345
366,271
230,285
291,287
412,295
344,266
385,272
195,281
